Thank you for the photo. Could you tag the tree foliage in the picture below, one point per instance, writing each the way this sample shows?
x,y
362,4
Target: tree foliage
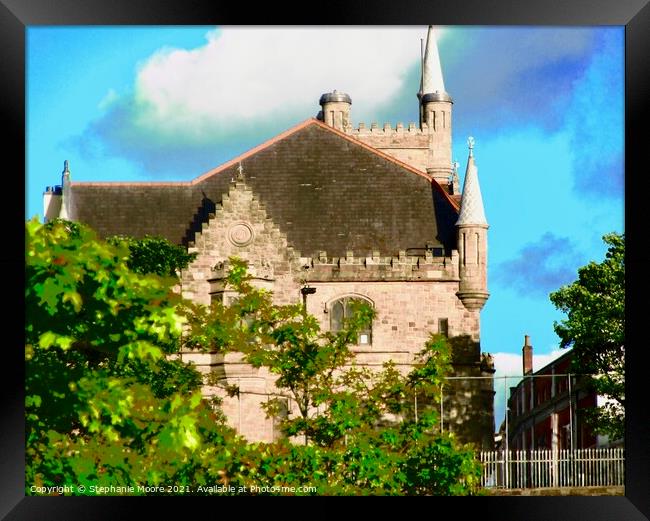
x,y
154,255
355,427
595,329
105,404
108,403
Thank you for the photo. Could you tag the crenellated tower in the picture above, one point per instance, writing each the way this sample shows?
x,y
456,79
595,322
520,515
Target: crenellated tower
x,y
472,229
425,146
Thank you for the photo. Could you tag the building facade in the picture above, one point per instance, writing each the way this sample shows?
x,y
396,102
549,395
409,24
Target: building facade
x,y
352,212
546,410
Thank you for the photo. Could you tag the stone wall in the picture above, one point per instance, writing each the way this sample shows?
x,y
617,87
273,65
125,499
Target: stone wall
x,y
423,148
240,227
409,293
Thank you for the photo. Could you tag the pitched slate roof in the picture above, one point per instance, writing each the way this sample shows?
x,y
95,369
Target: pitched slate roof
x,y
324,189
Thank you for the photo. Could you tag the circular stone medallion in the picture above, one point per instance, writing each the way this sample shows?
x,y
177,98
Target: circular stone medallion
x,y
240,234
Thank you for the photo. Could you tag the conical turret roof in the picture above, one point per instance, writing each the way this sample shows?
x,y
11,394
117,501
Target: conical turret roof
x,y
471,204
432,80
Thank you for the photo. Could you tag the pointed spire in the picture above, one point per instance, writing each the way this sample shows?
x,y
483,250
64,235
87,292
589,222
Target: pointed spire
x,y
65,175
432,80
471,204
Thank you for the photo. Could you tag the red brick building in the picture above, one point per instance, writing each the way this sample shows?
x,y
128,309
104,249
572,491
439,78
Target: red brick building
x,y
546,410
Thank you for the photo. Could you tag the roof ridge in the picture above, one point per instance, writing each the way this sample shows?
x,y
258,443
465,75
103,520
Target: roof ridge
x,y
253,150
212,171
392,159
272,141
130,183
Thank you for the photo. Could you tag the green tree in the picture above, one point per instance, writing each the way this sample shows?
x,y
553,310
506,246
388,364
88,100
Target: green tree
x,y
355,431
154,255
595,329
106,403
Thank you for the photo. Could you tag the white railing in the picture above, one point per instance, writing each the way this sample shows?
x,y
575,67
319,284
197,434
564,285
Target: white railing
x,y
548,468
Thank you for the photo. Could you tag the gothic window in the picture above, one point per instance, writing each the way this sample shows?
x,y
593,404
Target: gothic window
x,y
341,310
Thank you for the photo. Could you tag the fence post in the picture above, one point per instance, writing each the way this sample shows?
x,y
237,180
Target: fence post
x,y
505,453
570,411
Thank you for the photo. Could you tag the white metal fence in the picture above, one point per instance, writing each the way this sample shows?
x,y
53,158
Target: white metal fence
x,y
553,468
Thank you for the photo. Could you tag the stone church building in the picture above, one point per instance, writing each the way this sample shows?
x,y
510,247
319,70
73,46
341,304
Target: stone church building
x,y
350,212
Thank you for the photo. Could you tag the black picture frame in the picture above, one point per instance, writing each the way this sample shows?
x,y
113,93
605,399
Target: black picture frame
x,y
17,15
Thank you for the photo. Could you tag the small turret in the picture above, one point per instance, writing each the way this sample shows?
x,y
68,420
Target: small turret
x,y
435,113
472,229
335,109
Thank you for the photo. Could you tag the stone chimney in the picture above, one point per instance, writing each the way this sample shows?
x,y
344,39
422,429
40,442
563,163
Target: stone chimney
x,y
53,203
528,356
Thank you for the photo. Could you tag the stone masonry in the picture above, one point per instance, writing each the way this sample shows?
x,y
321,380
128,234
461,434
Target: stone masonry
x,y
411,294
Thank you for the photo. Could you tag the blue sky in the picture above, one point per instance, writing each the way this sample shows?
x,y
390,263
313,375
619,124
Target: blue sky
x,y
544,104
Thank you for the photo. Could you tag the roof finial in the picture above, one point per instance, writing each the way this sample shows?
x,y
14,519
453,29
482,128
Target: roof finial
x,y
470,144
66,166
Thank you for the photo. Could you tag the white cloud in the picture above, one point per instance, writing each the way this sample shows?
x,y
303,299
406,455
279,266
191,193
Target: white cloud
x,y
249,74
190,109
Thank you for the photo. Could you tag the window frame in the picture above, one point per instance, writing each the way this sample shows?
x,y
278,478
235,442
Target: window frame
x,y
344,300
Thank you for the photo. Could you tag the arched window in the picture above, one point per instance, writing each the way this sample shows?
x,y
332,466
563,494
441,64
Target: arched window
x,y
342,309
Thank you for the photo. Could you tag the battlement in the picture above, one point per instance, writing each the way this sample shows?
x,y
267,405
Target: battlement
x,y
378,267
387,130
353,268
420,147
487,363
